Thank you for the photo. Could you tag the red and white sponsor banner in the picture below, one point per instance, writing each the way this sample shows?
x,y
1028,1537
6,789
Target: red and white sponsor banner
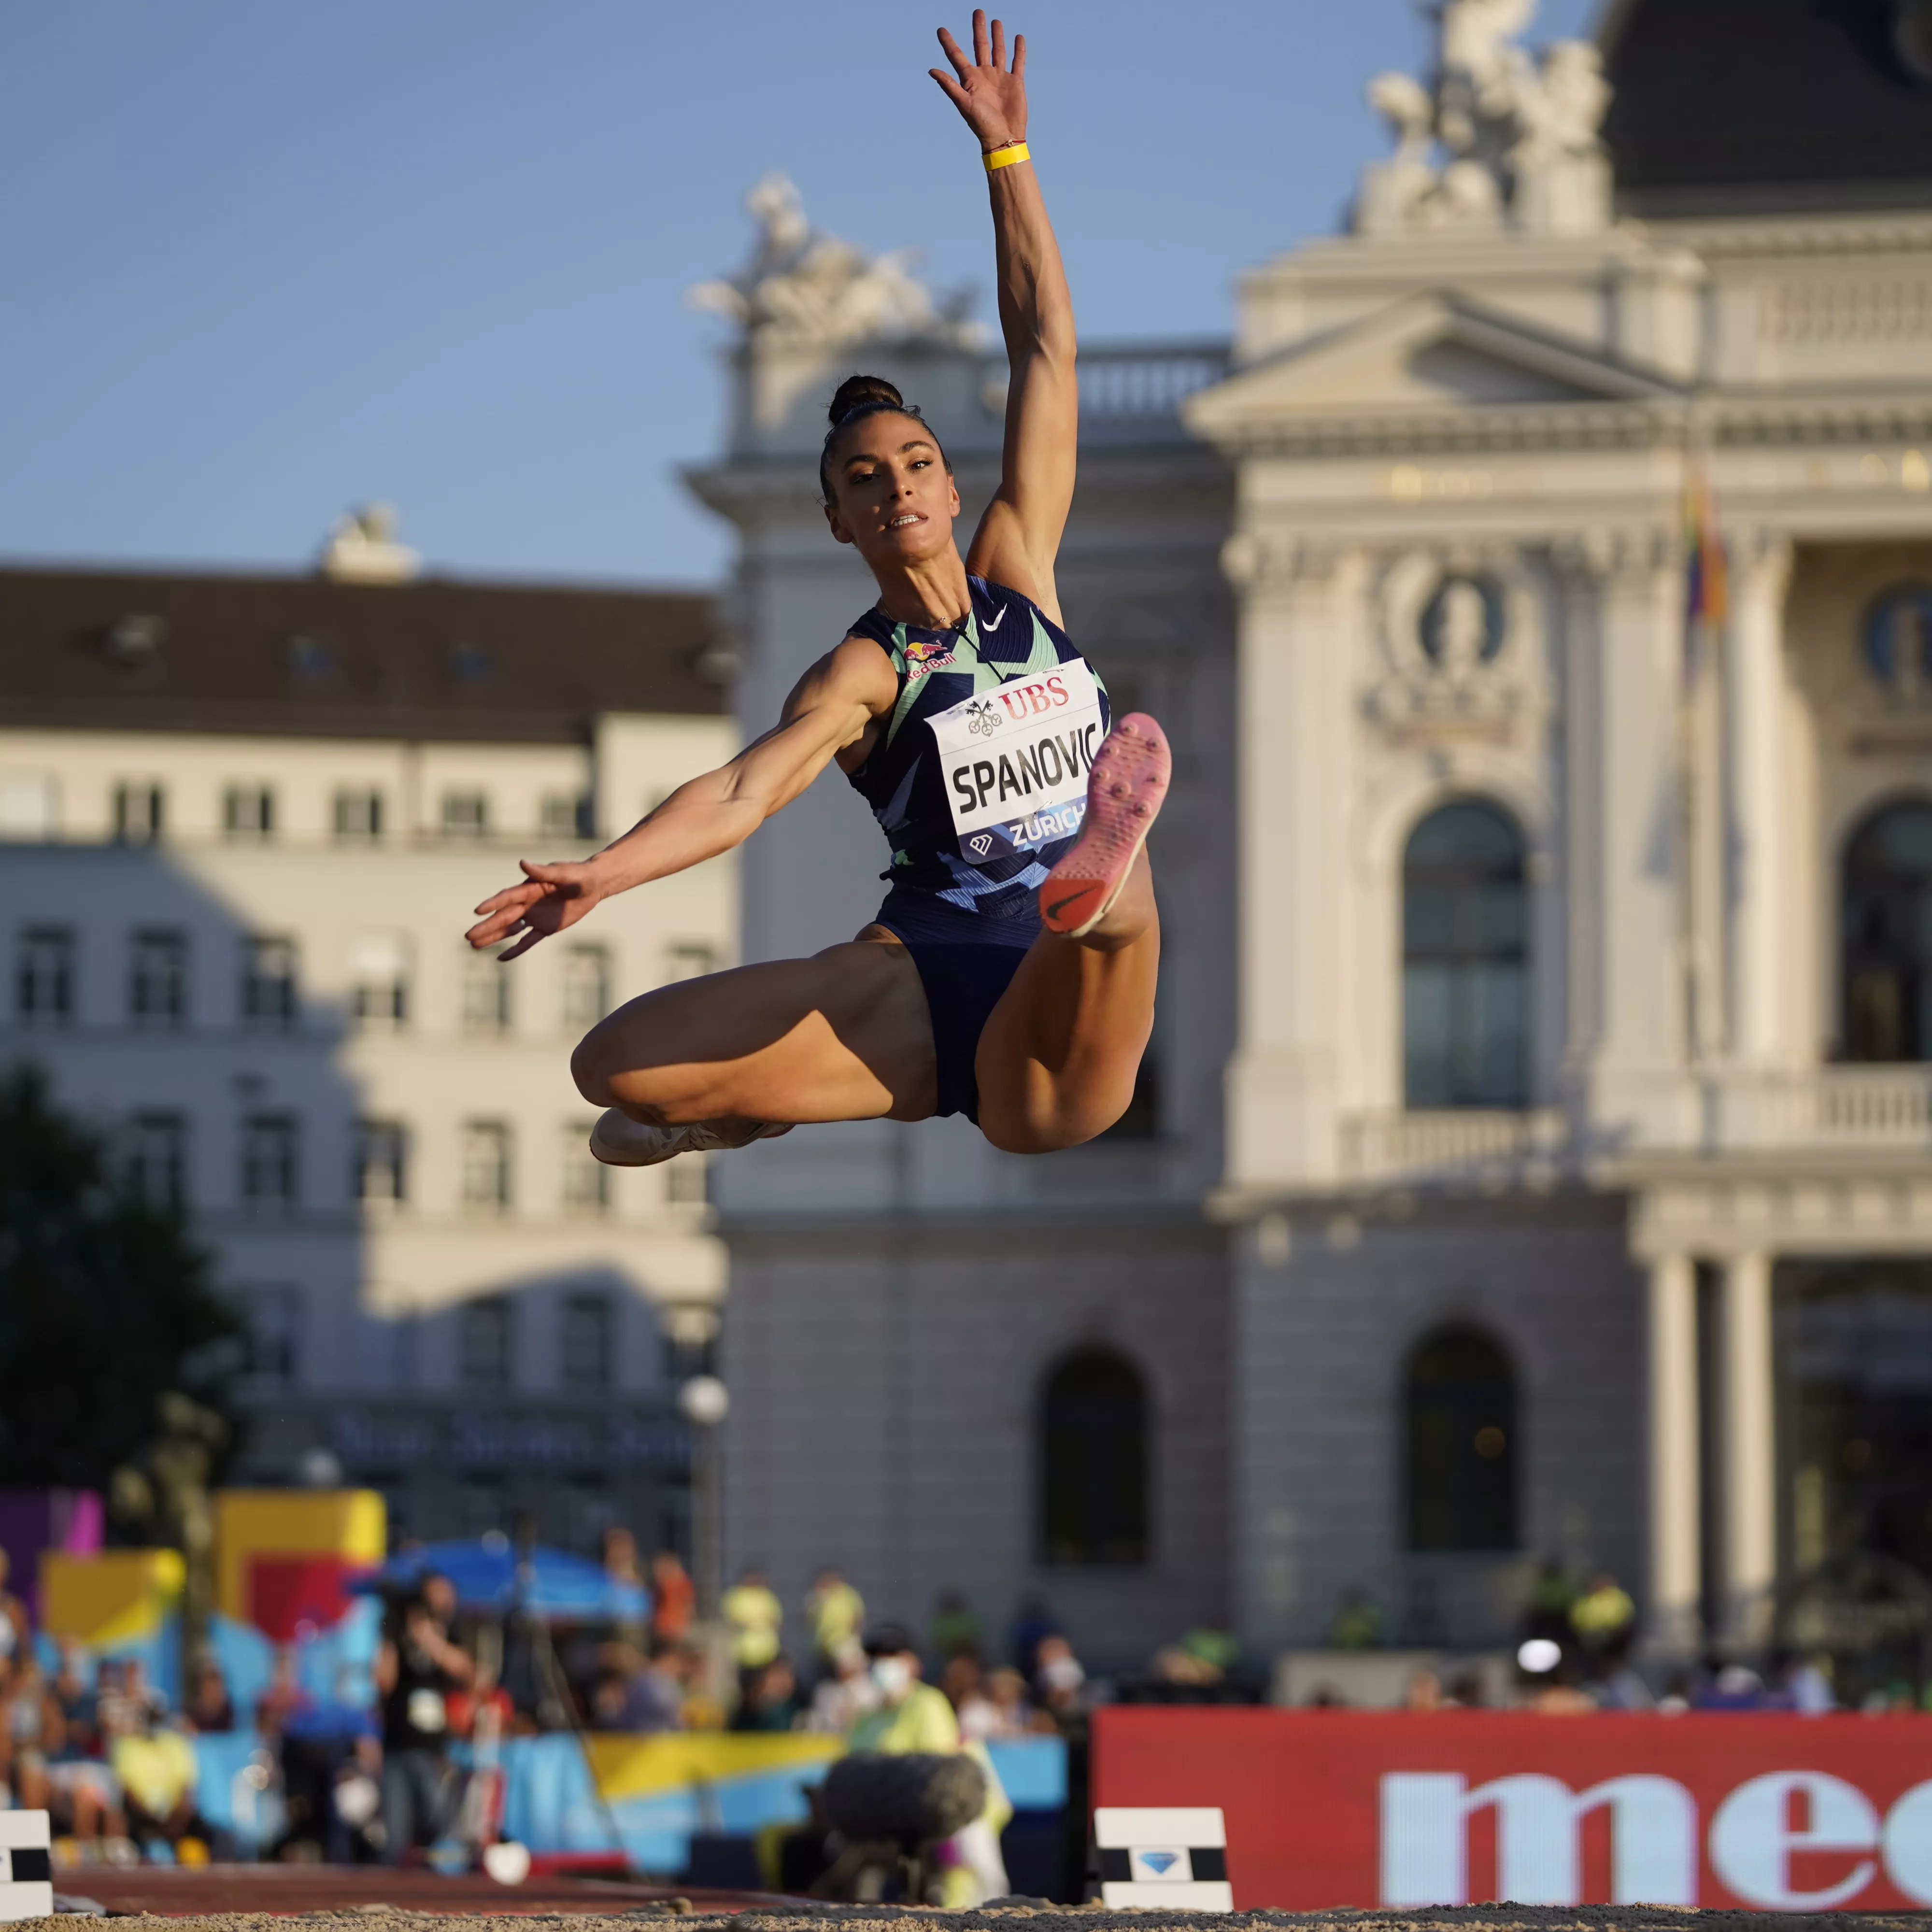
x,y
1328,1808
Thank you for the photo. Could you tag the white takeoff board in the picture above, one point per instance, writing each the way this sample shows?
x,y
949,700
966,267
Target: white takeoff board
x,y
26,1869
1174,1859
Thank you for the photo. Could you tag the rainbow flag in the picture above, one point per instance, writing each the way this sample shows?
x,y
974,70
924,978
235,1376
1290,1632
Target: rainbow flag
x,y
1707,598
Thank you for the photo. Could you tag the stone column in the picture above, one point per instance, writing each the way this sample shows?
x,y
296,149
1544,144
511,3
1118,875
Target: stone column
x,y
1294,737
1759,778
1675,1518
1750,1458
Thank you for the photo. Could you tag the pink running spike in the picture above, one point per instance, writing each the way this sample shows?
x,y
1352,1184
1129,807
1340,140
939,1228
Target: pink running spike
x,y
1124,791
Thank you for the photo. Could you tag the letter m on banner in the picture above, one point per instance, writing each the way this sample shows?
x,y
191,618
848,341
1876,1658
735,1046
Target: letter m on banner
x,y
1425,1838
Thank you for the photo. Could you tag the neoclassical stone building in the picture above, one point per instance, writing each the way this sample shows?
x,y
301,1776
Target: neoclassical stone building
x,y
1536,1159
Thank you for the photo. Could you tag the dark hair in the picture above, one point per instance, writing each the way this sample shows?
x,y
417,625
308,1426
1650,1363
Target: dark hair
x,y
856,398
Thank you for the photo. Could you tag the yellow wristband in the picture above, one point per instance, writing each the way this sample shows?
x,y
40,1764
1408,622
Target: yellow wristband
x,y
1004,158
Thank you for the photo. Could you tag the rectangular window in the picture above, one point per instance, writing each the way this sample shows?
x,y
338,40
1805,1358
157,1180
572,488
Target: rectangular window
x,y
269,1179
587,1181
29,804
248,812
466,814
43,989
689,959
378,974
158,978
274,1341
588,1333
485,1340
157,1147
268,983
566,815
587,985
382,1161
358,815
486,994
139,812
486,1166
688,1179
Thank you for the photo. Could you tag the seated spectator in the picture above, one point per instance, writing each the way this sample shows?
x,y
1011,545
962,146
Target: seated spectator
x,y
843,1696
979,1716
673,1597
1466,1691
1357,1624
620,1565
16,1636
158,1772
30,1735
955,1629
635,1694
209,1707
1604,1618
770,1702
284,1698
1059,1676
1424,1692
1007,1693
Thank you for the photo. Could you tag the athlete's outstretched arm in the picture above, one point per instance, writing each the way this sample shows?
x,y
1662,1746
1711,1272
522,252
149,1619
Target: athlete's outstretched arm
x,y
1019,537
832,706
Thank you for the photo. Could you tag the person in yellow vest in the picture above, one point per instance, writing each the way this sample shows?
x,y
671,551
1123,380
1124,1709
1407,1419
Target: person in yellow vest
x,y
911,1716
751,1608
837,1613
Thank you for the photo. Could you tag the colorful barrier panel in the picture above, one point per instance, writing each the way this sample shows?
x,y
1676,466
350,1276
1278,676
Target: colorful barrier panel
x,y
32,1521
1337,1808
119,1603
283,1557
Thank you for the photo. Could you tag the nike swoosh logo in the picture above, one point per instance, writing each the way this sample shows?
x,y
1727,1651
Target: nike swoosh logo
x,y
1059,906
994,623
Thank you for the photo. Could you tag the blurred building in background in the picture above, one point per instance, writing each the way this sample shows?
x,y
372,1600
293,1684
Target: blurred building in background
x,y
1534,1158
243,823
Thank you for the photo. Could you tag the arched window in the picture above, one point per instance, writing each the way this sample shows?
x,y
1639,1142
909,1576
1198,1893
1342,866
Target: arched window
x,y
1464,976
1887,935
1093,1461
1460,1399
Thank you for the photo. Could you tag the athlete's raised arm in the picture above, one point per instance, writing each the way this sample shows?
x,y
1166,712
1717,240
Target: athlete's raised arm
x,y
1019,537
830,708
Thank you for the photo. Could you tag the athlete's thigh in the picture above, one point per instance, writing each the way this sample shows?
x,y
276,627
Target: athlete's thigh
x,y
842,1035
1057,1061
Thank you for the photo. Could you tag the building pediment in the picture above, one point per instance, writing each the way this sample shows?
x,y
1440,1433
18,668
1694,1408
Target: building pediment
x,y
1434,352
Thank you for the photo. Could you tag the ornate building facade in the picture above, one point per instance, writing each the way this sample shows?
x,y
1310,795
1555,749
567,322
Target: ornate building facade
x,y
243,823
1536,1159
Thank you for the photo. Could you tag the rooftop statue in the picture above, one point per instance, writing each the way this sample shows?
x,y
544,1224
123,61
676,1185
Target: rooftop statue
x,y
1496,139
804,287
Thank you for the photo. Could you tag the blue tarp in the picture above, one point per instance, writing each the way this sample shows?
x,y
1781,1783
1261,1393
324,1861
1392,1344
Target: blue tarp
x,y
487,1577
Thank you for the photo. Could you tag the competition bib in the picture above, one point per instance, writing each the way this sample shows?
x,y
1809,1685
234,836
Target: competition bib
x,y
1015,761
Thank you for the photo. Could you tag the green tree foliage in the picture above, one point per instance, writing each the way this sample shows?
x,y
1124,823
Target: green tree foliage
x,y
105,1305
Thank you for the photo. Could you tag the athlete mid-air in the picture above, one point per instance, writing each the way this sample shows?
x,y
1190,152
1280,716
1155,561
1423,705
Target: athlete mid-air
x,y
1010,975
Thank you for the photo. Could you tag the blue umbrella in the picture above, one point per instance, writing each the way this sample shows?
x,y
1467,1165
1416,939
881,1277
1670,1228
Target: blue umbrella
x,y
554,1584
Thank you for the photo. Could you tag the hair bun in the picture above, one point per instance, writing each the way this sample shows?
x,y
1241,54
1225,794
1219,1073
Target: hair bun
x,y
856,391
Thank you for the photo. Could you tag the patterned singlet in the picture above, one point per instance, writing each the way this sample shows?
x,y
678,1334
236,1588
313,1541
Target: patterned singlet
x,y
979,778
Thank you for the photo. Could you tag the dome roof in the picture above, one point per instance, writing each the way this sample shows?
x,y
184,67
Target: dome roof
x,y
1769,107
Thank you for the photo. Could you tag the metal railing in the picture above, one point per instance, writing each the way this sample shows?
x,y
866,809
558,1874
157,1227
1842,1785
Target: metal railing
x,y
1136,380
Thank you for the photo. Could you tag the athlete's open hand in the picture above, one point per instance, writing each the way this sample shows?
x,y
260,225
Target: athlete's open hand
x,y
551,897
992,97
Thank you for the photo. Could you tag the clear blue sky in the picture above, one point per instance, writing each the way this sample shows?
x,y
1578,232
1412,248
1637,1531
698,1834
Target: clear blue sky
x,y
262,261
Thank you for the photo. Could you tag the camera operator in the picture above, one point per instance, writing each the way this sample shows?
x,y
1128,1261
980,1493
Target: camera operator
x,y
418,1668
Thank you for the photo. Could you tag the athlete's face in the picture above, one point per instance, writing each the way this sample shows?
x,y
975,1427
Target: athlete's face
x,y
894,502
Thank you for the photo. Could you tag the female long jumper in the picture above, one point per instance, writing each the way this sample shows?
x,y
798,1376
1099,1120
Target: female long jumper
x,y
1010,974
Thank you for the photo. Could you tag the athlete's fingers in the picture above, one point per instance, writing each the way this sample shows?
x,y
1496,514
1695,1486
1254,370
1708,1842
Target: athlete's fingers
x,y
999,45
1019,57
566,872
979,36
510,895
956,53
522,947
955,92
